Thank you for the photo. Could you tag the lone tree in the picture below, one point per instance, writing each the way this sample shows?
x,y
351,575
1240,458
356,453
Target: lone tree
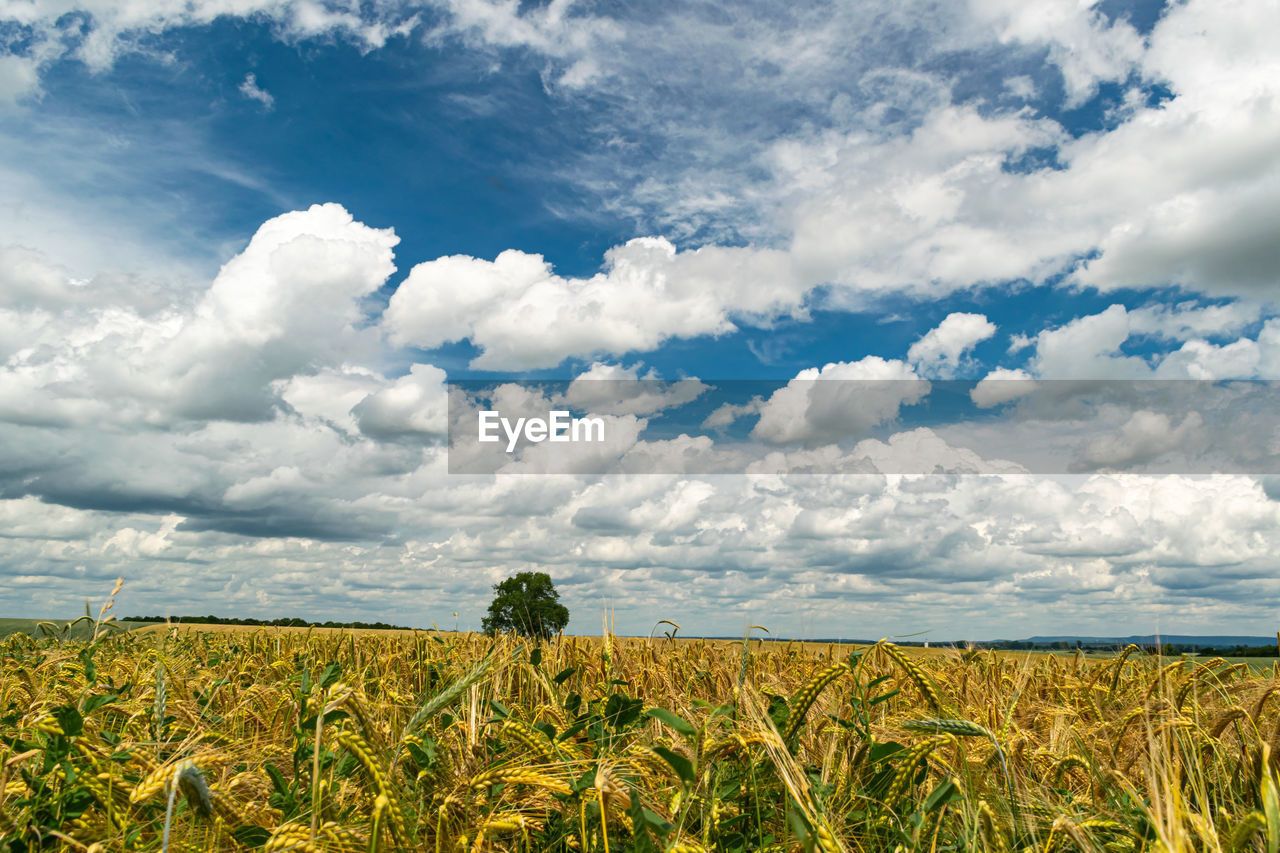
x,y
527,604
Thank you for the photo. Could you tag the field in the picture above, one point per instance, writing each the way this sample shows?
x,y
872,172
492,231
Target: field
x,y
366,741
80,631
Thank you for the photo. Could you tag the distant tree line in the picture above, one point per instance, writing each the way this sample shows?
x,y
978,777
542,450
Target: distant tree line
x,y
1241,651
295,622
1167,649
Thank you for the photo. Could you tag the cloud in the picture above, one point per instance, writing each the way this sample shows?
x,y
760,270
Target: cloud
x,y
331,395
1086,46
576,40
1092,346
925,213
940,351
858,170
414,405
910,452
98,33
617,390
896,183
1187,320
647,294
890,180
250,89
1088,348
29,280
1205,161
29,518
839,401
725,414
1145,437
1000,386
304,515
19,79
287,304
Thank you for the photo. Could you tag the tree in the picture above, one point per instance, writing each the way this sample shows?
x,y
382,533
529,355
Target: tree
x,y
527,604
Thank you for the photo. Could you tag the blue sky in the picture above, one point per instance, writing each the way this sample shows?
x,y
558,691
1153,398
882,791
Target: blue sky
x,y
244,245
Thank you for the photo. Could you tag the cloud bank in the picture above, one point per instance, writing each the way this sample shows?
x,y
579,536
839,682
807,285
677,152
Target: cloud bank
x,y
270,438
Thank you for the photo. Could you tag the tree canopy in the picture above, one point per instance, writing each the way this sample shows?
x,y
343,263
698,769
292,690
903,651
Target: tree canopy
x,y
527,604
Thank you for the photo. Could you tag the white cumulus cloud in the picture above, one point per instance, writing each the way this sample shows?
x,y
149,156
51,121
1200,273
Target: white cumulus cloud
x,y
838,401
940,351
648,293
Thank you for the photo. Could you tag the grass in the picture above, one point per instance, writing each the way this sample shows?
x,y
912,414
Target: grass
x,y
289,739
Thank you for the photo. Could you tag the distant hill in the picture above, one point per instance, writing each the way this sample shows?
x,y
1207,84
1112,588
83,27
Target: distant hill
x,y
1222,644
1145,640
1215,640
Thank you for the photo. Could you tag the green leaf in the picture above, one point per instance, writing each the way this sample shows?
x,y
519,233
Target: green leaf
x,y
69,720
681,725
683,766
945,793
251,836
347,766
621,711
424,756
564,674
90,668
535,656
799,826
585,781
656,821
1271,807
881,751
779,710
576,727
309,724
331,673
76,803
646,824
93,703
277,779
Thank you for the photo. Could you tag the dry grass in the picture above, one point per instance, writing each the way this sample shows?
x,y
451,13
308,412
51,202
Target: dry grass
x,y
441,741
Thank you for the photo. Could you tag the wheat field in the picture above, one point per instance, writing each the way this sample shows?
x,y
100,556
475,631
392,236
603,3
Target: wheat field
x,y
364,741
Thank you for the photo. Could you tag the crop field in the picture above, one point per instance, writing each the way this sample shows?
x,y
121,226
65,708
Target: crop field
x,y
368,741
83,630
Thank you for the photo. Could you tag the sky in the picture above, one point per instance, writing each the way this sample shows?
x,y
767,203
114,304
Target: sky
x,y
245,245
